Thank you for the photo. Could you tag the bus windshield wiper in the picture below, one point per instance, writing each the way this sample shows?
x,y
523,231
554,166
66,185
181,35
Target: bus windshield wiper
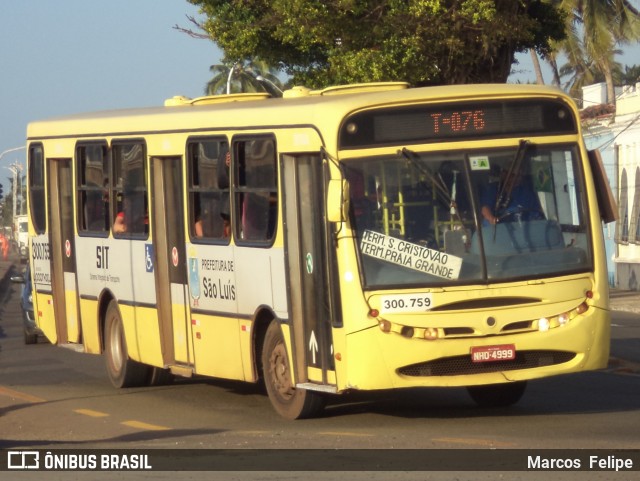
x,y
436,182
511,179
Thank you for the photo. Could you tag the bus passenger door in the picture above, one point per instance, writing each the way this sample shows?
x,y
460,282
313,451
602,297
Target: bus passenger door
x,y
170,266
63,257
308,271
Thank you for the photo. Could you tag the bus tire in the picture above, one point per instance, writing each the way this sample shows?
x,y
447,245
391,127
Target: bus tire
x,y
122,371
497,395
289,402
160,377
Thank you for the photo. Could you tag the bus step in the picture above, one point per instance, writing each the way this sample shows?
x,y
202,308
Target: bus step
x,y
184,371
309,386
72,346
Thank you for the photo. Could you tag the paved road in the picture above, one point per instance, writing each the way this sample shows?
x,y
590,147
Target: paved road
x,y
593,409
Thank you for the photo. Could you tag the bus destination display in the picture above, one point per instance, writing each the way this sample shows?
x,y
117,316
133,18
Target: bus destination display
x,y
450,122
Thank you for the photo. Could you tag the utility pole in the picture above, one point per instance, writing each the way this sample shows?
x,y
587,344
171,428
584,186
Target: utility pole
x,y
15,168
15,176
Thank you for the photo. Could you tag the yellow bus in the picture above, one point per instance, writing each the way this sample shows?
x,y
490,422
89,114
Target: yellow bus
x,y
361,237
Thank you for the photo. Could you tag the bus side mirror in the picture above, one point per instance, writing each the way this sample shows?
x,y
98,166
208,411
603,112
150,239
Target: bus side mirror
x,y
337,200
606,199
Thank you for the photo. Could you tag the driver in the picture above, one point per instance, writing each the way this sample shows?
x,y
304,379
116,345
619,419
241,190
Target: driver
x,y
522,203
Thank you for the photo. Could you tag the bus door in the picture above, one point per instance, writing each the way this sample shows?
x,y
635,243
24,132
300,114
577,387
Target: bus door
x,y
63,256
308,270
170,266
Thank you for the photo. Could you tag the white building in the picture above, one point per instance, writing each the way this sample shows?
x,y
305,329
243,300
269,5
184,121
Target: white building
x,y
597,119
626,131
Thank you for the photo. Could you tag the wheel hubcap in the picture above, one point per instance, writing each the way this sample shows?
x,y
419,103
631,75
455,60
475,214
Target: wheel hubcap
x,y
279,369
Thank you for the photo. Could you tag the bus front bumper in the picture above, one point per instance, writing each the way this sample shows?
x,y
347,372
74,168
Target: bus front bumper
x,y
384,360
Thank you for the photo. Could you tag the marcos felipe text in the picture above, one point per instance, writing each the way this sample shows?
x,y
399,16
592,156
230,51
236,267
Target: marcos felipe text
x,y
610,463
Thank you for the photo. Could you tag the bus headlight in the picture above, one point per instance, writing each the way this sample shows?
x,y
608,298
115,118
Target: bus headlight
x,y
563,318
546,323
543,324
385,326
430,334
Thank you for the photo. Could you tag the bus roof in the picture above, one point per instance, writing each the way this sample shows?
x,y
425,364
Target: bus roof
x,y
300,107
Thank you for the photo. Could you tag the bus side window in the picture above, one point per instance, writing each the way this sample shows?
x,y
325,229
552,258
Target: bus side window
x,y
130,189
37,200
256,189
209,161
93,183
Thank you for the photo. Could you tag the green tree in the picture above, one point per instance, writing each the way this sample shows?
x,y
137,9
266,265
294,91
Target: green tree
x,y
424,42
584,71
631,75
595,28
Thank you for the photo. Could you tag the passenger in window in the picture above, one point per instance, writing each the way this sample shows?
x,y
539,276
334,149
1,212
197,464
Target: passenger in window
x,y
197,227
226,225
119,225
259,207
139,224
224,162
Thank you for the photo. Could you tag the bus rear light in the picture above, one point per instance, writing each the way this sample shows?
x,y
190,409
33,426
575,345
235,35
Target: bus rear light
x,y
385,326
563,318
374,313
589,294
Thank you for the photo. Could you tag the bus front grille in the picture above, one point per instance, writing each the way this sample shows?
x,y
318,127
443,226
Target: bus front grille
x,y
460,365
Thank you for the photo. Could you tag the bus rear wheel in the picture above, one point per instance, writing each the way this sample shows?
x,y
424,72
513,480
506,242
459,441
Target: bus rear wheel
x,y
289,402
122,371
497,395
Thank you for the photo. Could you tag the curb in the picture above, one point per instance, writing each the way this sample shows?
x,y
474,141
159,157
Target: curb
x,y
625,308
623,366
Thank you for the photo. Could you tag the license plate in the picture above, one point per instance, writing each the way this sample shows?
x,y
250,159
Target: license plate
x,y
503,352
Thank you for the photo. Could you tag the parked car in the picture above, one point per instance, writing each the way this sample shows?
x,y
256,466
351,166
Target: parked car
x,y
31,330
22,236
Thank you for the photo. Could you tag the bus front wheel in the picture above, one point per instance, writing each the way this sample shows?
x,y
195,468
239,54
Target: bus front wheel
x,y
289,402
122,371
497,395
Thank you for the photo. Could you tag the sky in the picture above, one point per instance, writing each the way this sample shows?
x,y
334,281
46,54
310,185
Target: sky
x,y
523,70
61,57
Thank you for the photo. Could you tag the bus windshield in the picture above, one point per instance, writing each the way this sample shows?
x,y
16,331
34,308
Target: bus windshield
x,y
442,218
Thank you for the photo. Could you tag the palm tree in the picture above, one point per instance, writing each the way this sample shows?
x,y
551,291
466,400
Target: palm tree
x,y
536,67
631,75
594,29
252,76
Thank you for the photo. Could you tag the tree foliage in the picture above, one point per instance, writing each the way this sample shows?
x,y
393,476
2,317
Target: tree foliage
x,y
595,28
631,75
252,76
424,42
